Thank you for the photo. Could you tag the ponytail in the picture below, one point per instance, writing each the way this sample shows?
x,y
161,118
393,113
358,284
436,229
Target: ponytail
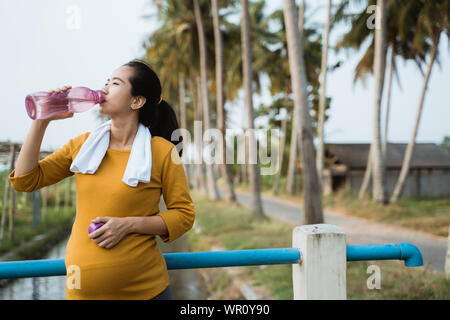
x,y
156,113
161,120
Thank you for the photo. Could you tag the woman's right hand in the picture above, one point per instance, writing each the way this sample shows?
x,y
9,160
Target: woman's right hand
x,y
64,115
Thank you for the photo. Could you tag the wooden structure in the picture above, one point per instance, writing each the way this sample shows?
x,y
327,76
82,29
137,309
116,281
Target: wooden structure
x,y
429,174
9,152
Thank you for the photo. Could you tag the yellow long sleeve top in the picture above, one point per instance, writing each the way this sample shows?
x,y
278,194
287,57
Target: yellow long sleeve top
x,y
135,267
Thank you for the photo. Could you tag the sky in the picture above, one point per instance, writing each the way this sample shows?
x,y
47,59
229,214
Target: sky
x,y
47,44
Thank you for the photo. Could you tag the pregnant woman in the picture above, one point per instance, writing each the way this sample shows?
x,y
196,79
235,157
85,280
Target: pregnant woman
x,y
121,169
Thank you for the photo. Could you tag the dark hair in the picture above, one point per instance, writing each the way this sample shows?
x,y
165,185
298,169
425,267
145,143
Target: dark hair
x,y
160,117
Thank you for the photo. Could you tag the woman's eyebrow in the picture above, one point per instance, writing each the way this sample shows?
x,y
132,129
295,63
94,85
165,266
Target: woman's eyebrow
x,y
117,79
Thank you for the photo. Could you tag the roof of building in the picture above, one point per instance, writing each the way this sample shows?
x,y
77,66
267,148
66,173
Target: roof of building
x,y
354,156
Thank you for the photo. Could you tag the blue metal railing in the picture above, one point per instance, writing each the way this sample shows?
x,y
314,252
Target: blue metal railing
x,y
400,251
210,259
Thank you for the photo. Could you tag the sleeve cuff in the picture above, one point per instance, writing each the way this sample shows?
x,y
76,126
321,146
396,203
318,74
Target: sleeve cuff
x,y
177,223
25,182
168,221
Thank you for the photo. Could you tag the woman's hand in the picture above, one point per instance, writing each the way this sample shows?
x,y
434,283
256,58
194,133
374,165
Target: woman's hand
x,y
64,115
111,233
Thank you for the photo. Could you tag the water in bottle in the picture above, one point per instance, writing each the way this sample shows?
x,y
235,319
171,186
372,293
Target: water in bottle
x,y
43,105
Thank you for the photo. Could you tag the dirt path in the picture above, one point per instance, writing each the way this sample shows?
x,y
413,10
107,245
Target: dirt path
x,y
361,231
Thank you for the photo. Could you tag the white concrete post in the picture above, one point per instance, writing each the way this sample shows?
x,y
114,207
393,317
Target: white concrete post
x,y
321,273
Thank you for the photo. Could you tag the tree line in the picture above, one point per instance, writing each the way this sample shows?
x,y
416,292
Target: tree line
x,y
205,57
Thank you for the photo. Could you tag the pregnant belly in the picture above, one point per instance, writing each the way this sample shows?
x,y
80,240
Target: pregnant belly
x,y
104,281
130,268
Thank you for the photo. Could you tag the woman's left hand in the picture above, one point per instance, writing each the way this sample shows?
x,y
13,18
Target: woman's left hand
x,y
111,233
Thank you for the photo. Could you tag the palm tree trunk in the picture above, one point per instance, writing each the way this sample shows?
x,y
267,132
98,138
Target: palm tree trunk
x,y
378,165
224,167
367,176
276,182
388,104
312,199
211,179
410,148
301,17
294,147
196,97
323,88
292,164
253,167
298,171
182,94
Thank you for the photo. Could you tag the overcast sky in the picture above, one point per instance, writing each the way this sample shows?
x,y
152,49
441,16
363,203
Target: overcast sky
x,y
45,46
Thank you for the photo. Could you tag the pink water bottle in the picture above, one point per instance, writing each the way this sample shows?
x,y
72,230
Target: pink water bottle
x,y
43,105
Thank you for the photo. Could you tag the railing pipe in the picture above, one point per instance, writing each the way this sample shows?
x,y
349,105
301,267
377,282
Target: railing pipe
x,y
399,251
182,260
189,260
232,258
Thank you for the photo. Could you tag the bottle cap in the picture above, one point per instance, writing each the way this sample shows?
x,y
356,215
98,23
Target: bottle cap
x,y
99,96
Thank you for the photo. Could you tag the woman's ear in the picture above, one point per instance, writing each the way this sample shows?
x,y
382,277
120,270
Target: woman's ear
x,y
138,102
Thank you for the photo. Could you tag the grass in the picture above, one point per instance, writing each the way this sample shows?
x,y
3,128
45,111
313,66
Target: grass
x,y
232,227
430,215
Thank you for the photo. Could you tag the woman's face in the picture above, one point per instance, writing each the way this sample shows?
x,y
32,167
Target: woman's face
x,y
118,98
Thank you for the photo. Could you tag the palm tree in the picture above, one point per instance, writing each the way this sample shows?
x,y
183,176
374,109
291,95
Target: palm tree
x,y
183,116
220,100
388,103
195,89
276,66
211,179
179,30
261,40
320,149
312,200
432,21
400,37
276,182
256,205
378,163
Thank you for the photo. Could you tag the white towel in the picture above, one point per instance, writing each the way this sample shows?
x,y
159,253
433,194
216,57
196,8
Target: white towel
x,y
93,150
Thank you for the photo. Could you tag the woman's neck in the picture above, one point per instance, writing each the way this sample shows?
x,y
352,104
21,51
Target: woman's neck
x,y
123,133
